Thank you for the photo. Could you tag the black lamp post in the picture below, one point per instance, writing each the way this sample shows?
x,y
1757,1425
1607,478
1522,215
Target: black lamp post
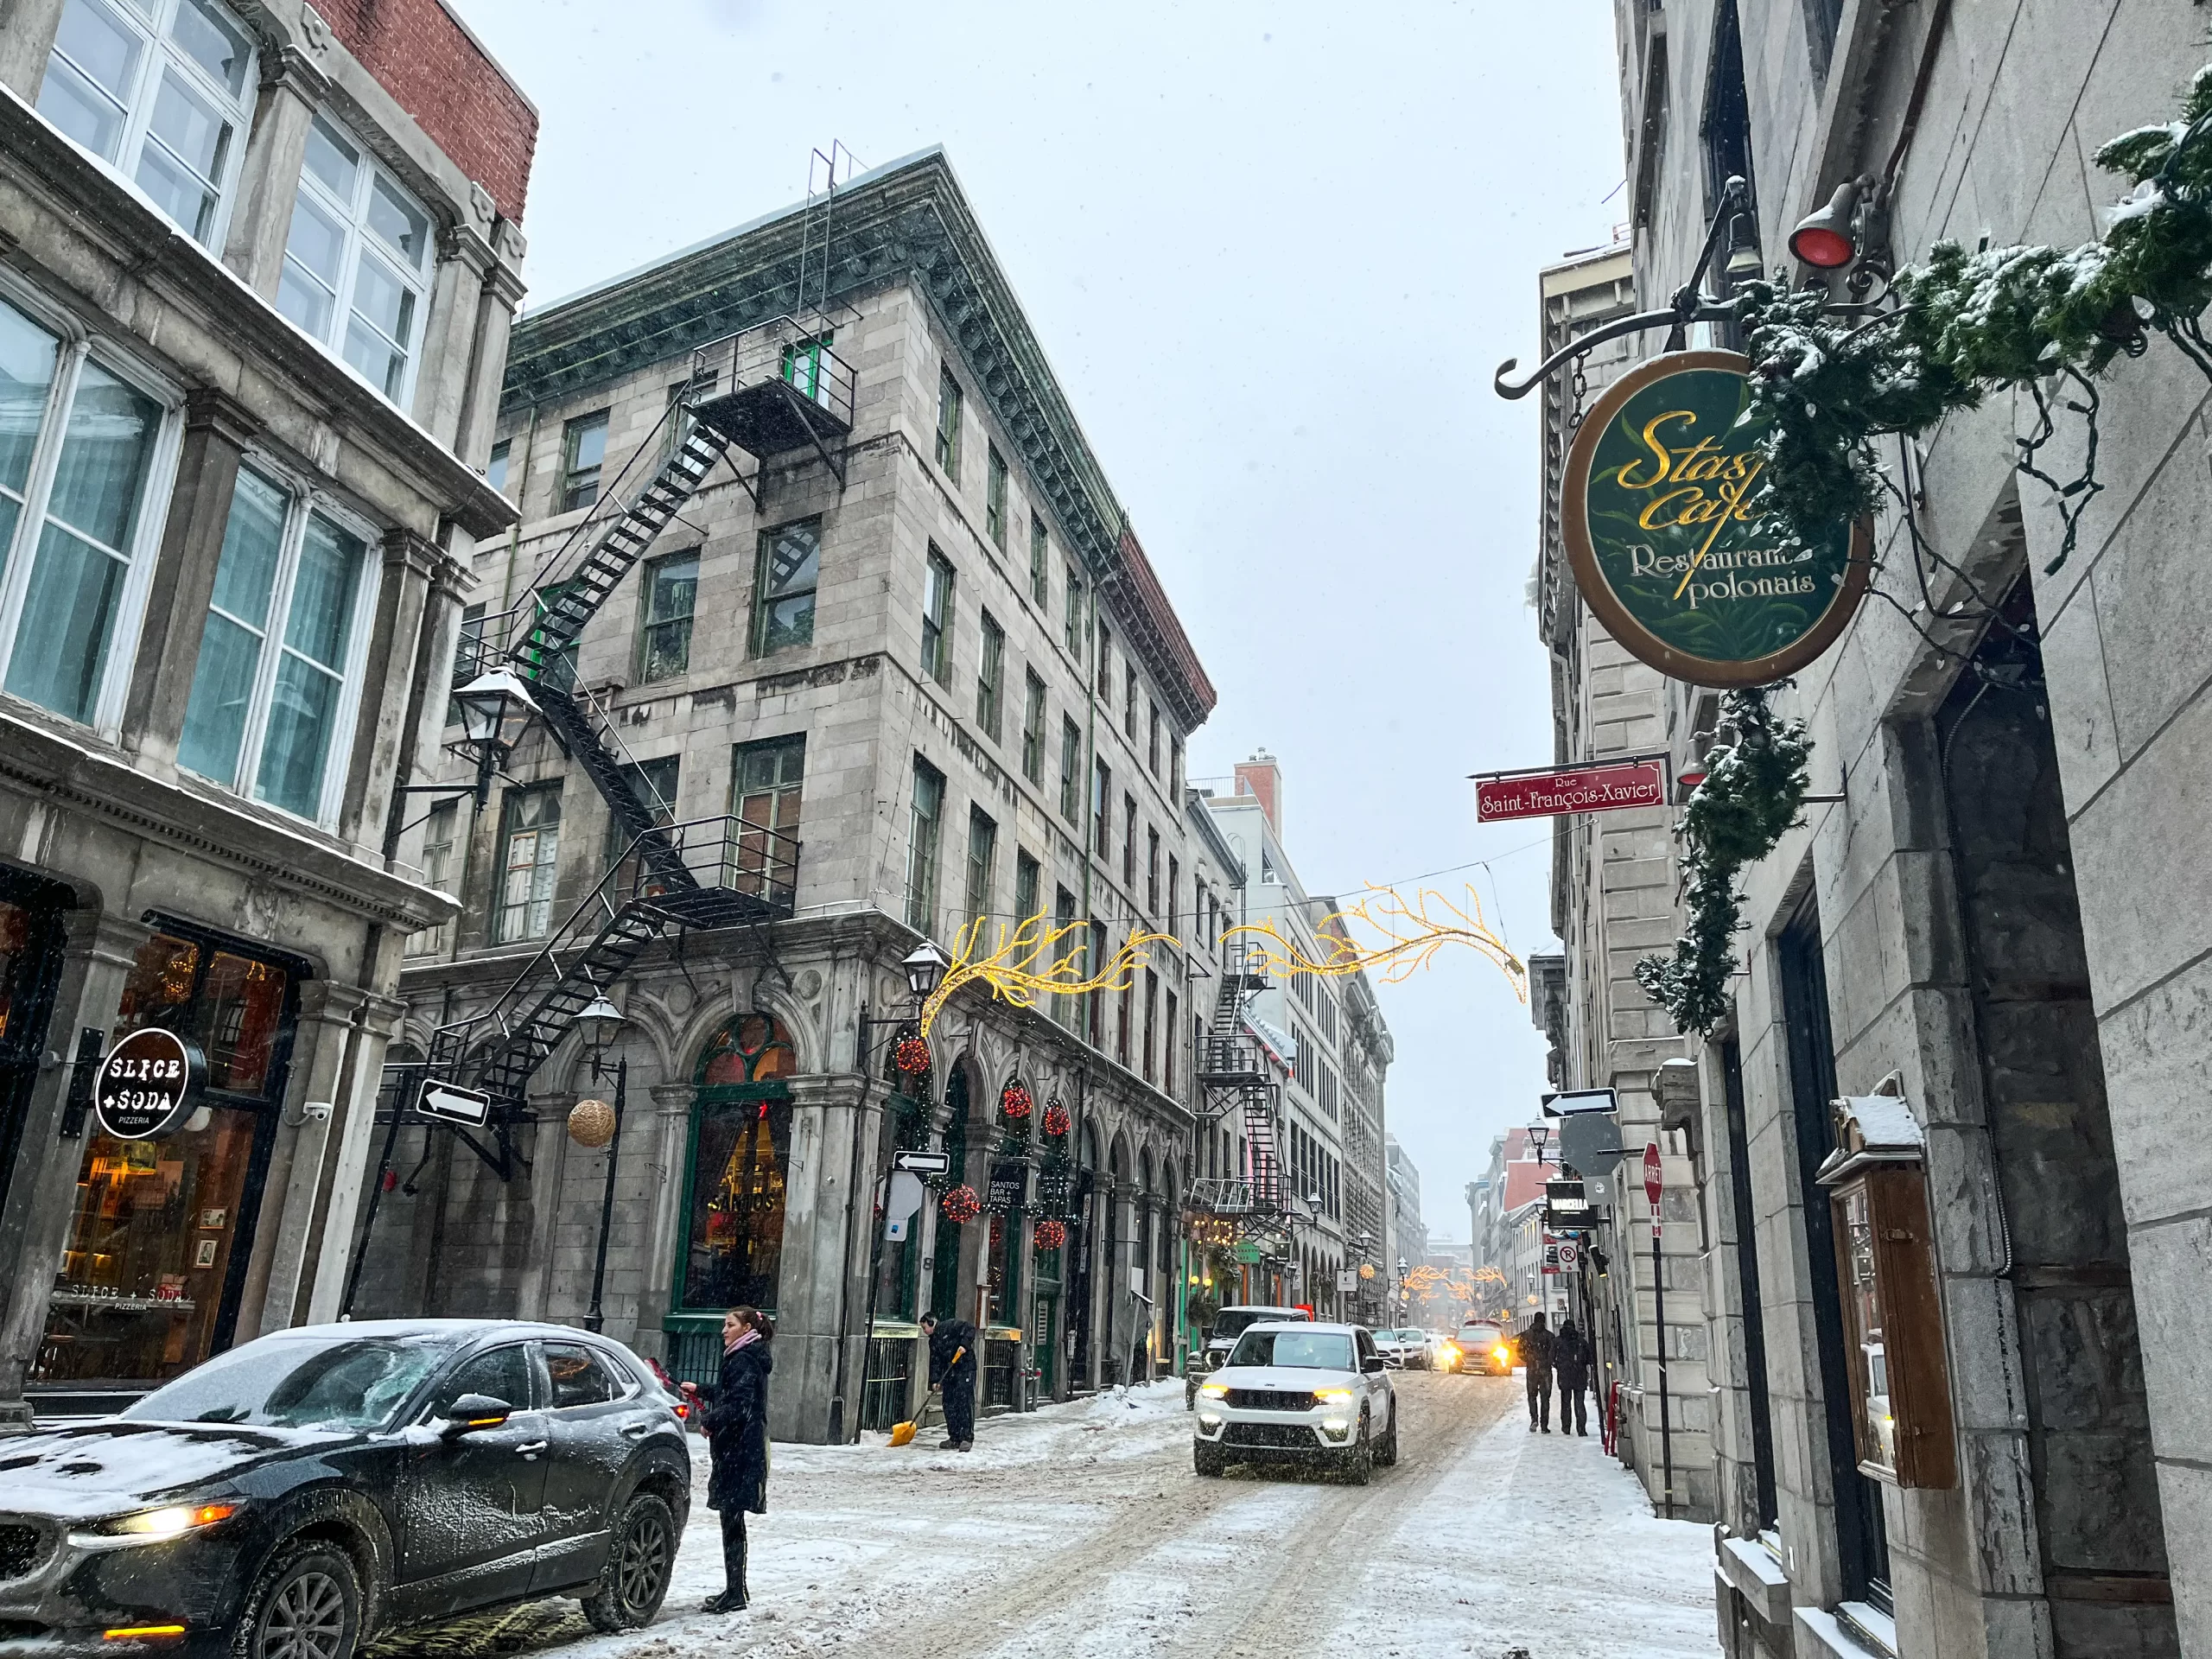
x,y
601,1022
483,703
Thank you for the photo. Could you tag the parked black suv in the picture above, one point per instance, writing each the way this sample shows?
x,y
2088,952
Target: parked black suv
x,y
294,1496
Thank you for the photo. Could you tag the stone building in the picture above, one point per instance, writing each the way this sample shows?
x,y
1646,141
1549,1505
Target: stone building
x,y
1613,898
259,265
835,640
1989,913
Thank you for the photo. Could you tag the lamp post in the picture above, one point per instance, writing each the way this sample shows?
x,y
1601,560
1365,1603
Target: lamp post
x,y
483,704
924,967
601,1022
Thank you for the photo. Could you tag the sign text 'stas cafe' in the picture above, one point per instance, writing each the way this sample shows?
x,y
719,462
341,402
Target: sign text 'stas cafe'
x,y
1664,521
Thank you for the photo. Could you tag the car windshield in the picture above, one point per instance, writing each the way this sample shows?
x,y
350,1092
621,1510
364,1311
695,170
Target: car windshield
x,y
1233,1321
1319,1350
342,1383
1477,1333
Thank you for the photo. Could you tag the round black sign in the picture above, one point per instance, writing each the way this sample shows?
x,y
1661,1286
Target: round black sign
x,y
148,1083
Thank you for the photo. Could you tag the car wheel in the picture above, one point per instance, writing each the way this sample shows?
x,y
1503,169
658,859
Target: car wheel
x,y
635,1578
1386,1449
1359,1461
305,1604
1208,1460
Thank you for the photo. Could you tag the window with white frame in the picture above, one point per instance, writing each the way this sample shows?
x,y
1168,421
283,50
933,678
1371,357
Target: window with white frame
x,y
357,260
162,90
81,453
278,678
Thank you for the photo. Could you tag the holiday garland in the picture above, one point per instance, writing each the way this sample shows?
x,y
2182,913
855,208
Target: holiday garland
x,y
961,1204
1050,1235
912,1056
1970,324
1057,1120
1748,800
1015,1100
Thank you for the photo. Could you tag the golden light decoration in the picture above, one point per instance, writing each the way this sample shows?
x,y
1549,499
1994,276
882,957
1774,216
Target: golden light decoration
x,y
1410,933
1026,962
591,1123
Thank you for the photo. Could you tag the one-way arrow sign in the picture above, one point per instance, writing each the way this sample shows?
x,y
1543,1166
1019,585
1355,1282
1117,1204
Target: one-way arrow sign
x,y
922,1163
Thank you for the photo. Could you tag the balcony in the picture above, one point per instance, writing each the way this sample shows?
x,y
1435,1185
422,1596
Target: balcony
x,y
775,388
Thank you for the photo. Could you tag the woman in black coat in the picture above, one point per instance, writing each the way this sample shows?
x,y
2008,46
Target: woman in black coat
x,y
736,1421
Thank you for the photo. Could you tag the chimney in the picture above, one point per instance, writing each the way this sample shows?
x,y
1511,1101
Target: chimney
x,y
1261,778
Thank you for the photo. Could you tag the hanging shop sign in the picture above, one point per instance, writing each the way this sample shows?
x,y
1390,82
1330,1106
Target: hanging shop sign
x,y
1007,1179
148,1084
1601,786
1660,511
1551,1256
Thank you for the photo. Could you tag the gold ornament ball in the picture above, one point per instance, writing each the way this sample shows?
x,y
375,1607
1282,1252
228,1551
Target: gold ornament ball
x,y
1367,1269
591,1123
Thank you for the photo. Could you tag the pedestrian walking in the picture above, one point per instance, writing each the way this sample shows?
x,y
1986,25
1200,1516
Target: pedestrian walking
x,y
1536,1351
736,1420
952,1369
1572,1359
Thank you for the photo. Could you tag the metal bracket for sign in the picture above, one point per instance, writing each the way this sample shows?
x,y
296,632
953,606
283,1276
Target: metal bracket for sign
x,y
1657,757
92,1042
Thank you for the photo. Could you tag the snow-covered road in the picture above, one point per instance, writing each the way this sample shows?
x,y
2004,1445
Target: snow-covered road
x,y
1081,1531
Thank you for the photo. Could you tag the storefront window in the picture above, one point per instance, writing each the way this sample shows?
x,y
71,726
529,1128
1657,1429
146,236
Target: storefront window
x,y
741,1158
157,1240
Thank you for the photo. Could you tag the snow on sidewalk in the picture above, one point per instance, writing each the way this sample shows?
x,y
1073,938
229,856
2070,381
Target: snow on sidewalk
x,y
1541,1542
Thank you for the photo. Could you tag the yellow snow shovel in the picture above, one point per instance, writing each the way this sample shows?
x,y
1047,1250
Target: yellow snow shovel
x,y
903,1433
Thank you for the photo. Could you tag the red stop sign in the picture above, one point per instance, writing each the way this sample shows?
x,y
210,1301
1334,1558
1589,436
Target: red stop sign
x,y
1652,1184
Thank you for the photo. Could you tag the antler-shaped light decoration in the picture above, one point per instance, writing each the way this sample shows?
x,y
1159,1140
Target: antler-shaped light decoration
x,y
1411,935
1026,962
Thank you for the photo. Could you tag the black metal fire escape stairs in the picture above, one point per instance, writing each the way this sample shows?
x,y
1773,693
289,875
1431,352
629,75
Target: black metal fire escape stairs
x,y
770,390
1233,1077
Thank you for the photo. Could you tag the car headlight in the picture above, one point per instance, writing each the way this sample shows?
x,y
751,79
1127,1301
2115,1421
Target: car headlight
x,y
1501,1354
1334,1397
155,1526
1209,1420
1335,1429
1215,1390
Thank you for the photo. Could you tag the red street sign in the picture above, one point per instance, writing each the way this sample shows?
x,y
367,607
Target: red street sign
x,y
1607,786
1653,1185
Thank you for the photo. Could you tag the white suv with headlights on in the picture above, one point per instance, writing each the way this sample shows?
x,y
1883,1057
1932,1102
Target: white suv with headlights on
x,y
1298,1392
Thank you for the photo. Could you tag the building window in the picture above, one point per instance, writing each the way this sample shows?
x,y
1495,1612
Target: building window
x,y
1124,1015
801,366
1101,811
766,778
790,571
936,619
1106,665
76,463
677,424
1128,843
995,494
982,857
278,674
652,784
357,261
441,871
495,469
1074,621
1823,19
1151,1019
559,667
1171,1033
1067,1009
1174,891
1130,708
1152,872
1032,726
1152,742
1040,584
672,593
990,675
164,90
921,847
529,853
1070,770
948,425
583,453
1174,767
1028,876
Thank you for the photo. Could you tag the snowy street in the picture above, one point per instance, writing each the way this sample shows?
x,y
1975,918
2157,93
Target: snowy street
x,y
1081,1530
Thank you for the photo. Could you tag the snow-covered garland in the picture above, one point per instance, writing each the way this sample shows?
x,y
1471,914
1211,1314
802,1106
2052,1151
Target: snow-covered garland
x,y
1749,799
1970,324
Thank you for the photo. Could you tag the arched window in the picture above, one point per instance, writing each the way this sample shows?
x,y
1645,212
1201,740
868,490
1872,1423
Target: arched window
x,y
737,1169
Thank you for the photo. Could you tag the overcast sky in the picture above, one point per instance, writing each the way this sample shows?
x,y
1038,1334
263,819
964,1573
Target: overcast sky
x,y
1274,253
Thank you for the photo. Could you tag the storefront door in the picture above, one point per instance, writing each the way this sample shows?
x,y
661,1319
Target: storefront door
x,y
149,1282
31,936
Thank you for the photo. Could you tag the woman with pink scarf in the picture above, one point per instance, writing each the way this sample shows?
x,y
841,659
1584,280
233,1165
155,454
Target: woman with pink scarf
x,y
736,1421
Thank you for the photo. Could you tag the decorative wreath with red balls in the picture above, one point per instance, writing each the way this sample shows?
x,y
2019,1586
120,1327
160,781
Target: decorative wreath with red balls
x,y
960,1204
1057,1122
1050,1235
912,1056
1015,1100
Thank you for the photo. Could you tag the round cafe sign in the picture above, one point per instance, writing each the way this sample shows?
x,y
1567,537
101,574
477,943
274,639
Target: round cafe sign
x,y
148,1083
1660,509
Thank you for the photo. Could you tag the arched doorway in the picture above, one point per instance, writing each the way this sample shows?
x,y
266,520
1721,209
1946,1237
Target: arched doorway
x,y
945,1253
737,1163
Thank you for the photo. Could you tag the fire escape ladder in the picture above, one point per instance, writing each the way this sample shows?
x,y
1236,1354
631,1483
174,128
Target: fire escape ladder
x,y
579,725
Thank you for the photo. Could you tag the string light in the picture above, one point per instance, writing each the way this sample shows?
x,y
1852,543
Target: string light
x,y
1411,933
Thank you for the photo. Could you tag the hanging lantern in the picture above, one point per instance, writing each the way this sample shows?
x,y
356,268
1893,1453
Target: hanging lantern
x,y
961,1204
1050,1235
591,1123
912,1056
1057,1122
1015,1100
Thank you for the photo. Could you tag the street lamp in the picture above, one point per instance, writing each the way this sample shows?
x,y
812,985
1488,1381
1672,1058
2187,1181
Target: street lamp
x,y
923,966
600,1023
483,703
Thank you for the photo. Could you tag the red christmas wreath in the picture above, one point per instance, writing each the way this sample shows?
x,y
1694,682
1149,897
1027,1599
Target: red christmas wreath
x,y
912,1055
1057,1122
1015,1101
960,1204
1050,1235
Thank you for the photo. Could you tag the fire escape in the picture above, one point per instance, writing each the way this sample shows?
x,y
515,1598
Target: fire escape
x,y
766,392
1232,1077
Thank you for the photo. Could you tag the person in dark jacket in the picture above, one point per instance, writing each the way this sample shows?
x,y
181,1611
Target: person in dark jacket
x,y
1571,1361
736,1421
952,1367
1536,1364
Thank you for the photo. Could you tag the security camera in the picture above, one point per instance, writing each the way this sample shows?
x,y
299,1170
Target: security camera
x,y
318,1111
